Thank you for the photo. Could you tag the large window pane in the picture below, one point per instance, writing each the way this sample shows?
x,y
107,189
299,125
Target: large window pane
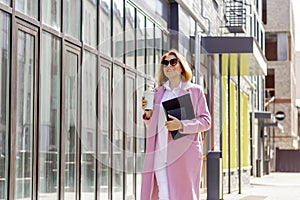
x,y
7,2
104,131
4,100
140,37
118,30
166,43
150,47
118,133
140,134
52,13
49,116
28,7
70,131
88,126
130,35
187,30
105,27
24,115
72,23
158,48
89,30
130,130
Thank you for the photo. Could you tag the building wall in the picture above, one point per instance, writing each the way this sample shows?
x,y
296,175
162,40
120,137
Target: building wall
x,y
278,16
297,67
280,24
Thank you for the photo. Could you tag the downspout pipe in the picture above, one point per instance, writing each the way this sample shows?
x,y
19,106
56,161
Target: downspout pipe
x,y
209,70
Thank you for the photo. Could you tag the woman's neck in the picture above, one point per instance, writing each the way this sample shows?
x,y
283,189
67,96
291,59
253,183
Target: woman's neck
x,y
173,83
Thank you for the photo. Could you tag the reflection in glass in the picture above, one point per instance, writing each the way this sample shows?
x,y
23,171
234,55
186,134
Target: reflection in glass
x,y
49,116
52,13
88,126
7,2
89,29
4,100
105,27
150,47
140,38
118,28
166,43
118,132
158,48
70,131
140,134
72,23
130,35
130,129
104,131
24,115
28,7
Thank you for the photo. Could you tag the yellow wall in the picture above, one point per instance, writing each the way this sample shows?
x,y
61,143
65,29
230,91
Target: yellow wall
x,y
244,126
245,132
233,122
225,122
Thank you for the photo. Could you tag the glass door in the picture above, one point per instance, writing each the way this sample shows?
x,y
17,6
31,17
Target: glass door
x,y
23,116
70,123
5,66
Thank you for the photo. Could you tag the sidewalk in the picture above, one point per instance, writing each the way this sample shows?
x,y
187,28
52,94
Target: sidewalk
x,y
275,186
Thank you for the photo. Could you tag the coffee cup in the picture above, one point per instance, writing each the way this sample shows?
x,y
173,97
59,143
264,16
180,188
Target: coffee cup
x,y
149,97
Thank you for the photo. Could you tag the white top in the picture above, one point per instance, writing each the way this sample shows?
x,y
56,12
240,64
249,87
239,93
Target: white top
x,y
162,131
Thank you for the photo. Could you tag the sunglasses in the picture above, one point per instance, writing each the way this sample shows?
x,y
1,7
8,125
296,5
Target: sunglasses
x,y
172,62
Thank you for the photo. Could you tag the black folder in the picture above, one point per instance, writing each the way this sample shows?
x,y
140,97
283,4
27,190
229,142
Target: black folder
x,y
180,107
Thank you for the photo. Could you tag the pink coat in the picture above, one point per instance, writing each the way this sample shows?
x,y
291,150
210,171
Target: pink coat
x,y
184,155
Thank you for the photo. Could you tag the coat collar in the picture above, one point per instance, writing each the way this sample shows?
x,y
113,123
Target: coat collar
x,y
185,86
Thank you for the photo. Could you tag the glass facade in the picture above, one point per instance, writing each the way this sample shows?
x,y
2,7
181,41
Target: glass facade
x,y
24,115
105,136
8,2
130,35
130,136
88,126
72,18
105,26
89,26
50,109
28,7
52,13
150,48
118,29
117,133
71,126
140,40
4,100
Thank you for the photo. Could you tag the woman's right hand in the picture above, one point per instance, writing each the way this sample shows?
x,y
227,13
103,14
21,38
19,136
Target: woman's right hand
x,y
147,113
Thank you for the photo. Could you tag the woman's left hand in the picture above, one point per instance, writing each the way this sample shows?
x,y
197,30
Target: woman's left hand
x,y
173,124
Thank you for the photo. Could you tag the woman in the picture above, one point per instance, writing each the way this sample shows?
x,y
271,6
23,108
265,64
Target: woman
x,y
172,168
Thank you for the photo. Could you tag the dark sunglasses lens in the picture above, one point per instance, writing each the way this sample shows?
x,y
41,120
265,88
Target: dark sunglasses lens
x,y
165,63
173,62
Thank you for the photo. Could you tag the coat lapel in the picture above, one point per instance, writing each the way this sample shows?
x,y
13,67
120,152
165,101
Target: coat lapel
x,y
185,86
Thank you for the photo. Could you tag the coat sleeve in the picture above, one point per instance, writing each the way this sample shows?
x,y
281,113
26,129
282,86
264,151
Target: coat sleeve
x,y
202,121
